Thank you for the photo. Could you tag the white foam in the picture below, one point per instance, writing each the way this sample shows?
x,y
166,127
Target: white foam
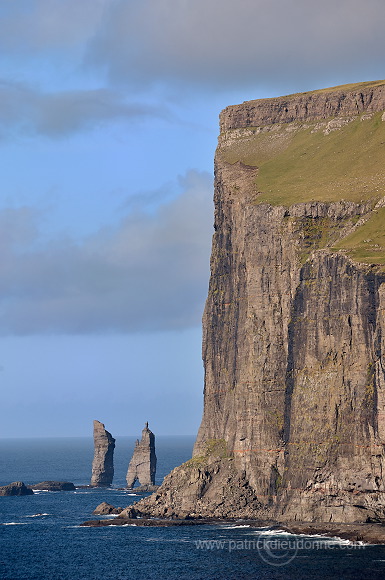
x,y
323,537
15,524
331,539
37,515
121,526
235,527
274,533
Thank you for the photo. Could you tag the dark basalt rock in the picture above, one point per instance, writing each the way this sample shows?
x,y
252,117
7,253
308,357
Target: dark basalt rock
x,y
15,488
54,486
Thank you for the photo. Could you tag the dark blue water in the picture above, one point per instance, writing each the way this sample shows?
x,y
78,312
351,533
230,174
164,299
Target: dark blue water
x,y
40,537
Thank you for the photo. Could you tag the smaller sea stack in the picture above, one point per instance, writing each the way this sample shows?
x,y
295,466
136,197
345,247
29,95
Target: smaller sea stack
x,y
103,463
142,466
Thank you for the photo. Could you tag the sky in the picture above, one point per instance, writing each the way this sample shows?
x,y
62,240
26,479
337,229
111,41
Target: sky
x,y
108,128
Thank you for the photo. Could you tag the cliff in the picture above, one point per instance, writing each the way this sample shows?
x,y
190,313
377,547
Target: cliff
x,y
293,329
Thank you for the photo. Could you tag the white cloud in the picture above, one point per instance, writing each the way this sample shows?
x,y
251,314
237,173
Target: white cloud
x,y
148,273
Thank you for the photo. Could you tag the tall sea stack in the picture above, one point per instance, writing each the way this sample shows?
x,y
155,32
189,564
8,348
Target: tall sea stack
x,y
142,466
103,463
294,325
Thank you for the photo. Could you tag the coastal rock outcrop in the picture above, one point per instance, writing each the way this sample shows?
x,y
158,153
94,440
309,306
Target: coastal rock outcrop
x,y
105,508
15,488
294,325
142,466
54,486
103,462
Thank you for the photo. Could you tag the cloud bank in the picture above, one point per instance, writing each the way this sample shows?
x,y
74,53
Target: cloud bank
x,y
148,273
201,44
222,43
28,27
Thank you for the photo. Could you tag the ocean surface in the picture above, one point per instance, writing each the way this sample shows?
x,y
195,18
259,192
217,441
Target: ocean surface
x,y
41,539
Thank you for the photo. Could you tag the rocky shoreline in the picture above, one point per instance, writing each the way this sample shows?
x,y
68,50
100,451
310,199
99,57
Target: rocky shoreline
x,y
366,533
371,533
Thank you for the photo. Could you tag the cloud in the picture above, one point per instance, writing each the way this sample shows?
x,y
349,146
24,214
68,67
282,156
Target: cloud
x,y
235,43
179,46
26,110
38,25
148,273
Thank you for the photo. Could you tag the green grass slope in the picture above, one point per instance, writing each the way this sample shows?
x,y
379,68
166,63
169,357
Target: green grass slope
x,y
299,164
317,161
367,243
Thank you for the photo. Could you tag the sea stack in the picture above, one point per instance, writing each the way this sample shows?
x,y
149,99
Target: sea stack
x,y
293,427
103,463
142,466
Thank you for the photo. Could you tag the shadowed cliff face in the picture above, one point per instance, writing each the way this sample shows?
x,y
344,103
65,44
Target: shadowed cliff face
x,y
293,343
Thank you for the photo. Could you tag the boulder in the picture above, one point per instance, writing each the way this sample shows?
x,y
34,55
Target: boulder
x,y
105,508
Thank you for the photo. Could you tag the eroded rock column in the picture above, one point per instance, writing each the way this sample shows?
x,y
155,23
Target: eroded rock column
x,y
103,463
142,466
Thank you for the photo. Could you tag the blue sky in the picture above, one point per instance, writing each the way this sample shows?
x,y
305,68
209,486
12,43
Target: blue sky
x,y
108,127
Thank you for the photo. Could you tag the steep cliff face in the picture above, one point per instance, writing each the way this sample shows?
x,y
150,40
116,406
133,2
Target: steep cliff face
x,y
294,329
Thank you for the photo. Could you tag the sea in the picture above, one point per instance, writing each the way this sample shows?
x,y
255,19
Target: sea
x,y
41,537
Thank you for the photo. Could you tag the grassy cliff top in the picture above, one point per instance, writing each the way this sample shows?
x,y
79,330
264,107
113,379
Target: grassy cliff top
x,y
326,160
320,161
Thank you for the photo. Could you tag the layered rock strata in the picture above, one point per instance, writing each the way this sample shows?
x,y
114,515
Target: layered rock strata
x,y
339,102
142,466
293,329
103,462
